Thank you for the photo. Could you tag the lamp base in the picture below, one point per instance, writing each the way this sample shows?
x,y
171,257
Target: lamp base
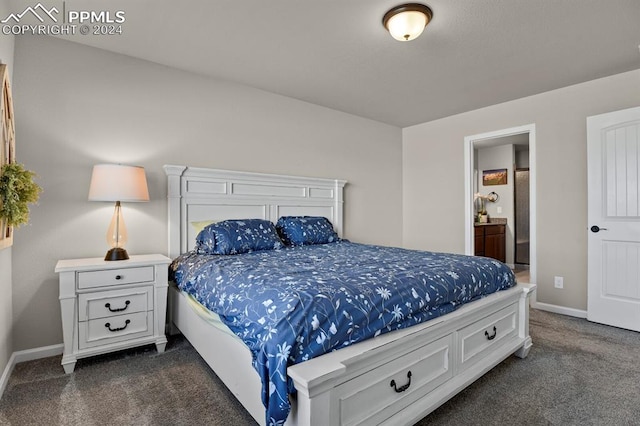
x,y
117,253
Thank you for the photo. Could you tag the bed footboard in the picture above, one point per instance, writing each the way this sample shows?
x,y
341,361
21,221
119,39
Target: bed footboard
x,y
400,377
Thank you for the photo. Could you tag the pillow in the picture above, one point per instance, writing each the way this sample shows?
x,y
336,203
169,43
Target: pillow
x,y
306,230
238,236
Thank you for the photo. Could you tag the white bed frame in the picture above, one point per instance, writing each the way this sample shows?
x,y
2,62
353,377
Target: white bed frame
x,y
396,378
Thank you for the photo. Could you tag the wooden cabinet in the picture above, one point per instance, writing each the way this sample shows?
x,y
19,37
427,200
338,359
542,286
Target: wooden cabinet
x,y
479,240
108,306
490,241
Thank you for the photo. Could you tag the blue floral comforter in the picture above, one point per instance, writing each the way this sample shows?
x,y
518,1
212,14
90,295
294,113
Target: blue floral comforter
x,y
297,303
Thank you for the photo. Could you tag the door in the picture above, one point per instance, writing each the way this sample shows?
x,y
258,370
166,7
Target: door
x,y
521,195
613,150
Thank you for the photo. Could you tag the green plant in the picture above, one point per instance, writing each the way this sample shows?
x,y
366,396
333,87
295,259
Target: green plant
x,y
17,190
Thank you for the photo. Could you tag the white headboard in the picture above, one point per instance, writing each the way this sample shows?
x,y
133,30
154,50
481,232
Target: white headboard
x,y
198,194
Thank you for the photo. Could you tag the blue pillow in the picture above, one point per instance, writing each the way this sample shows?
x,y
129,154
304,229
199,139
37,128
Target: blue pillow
x,y
238,236
306,230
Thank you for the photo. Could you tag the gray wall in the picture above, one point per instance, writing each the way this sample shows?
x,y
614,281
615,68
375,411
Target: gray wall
x,y
433,176
6,344
78,106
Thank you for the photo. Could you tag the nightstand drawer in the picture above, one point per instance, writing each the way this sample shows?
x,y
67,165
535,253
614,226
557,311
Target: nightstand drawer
x,y
105,304
111,277
103,331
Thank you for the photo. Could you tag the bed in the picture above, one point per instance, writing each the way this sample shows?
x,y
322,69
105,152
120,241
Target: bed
x,y
394,378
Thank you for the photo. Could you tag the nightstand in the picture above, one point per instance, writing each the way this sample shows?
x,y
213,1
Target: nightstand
x,y
112,305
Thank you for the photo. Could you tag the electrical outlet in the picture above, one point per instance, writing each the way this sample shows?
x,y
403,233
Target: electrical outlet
x,y
558,282
499,209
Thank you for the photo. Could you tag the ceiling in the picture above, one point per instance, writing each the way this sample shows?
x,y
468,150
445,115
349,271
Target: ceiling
x,y
337,54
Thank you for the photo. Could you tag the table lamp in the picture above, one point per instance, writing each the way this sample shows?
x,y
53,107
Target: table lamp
x,y
119,183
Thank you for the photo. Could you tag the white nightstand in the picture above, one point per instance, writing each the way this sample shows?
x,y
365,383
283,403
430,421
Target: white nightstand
x,y
111,305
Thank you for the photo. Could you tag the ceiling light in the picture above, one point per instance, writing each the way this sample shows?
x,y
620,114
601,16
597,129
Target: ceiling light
x,y
407,21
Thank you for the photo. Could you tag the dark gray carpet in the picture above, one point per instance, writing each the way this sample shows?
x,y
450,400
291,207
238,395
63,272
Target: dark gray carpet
x,y
135,387
577,373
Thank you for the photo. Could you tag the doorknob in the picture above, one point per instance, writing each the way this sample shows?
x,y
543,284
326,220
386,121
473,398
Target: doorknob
x,y
596,228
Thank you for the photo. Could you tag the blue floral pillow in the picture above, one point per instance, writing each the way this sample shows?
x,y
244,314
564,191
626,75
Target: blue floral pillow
x,y
238,236
306,230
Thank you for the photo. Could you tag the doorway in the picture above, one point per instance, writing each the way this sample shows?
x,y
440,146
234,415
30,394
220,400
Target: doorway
x,y
494,139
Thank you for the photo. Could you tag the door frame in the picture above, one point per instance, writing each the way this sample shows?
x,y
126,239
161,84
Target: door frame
x,y
469,157
515,222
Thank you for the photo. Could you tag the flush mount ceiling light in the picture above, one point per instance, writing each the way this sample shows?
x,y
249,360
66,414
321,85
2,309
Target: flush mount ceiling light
x,y
407,21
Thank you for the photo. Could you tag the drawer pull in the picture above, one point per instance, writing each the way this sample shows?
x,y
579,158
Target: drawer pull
x,y
403,387
118,277
126,323
108,306
486,333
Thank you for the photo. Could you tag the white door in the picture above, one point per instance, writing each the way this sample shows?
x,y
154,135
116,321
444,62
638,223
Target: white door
x,y
613,150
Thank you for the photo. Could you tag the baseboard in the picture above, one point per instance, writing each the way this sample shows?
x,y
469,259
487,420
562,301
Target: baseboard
x,y
27,355
578,313
4,379
37,353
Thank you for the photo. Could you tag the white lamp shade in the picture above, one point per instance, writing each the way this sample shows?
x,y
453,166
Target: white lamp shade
x,y
117,182
407,25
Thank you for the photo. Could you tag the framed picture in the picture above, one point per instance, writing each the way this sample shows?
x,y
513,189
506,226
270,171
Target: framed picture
x,y
7,143
494,177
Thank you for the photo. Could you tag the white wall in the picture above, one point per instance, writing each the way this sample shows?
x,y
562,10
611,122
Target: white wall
x,y
434,214
499,157
6,344
78,106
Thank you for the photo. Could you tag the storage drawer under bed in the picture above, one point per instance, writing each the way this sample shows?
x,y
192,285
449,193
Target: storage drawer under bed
x,y
488,334
377,394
